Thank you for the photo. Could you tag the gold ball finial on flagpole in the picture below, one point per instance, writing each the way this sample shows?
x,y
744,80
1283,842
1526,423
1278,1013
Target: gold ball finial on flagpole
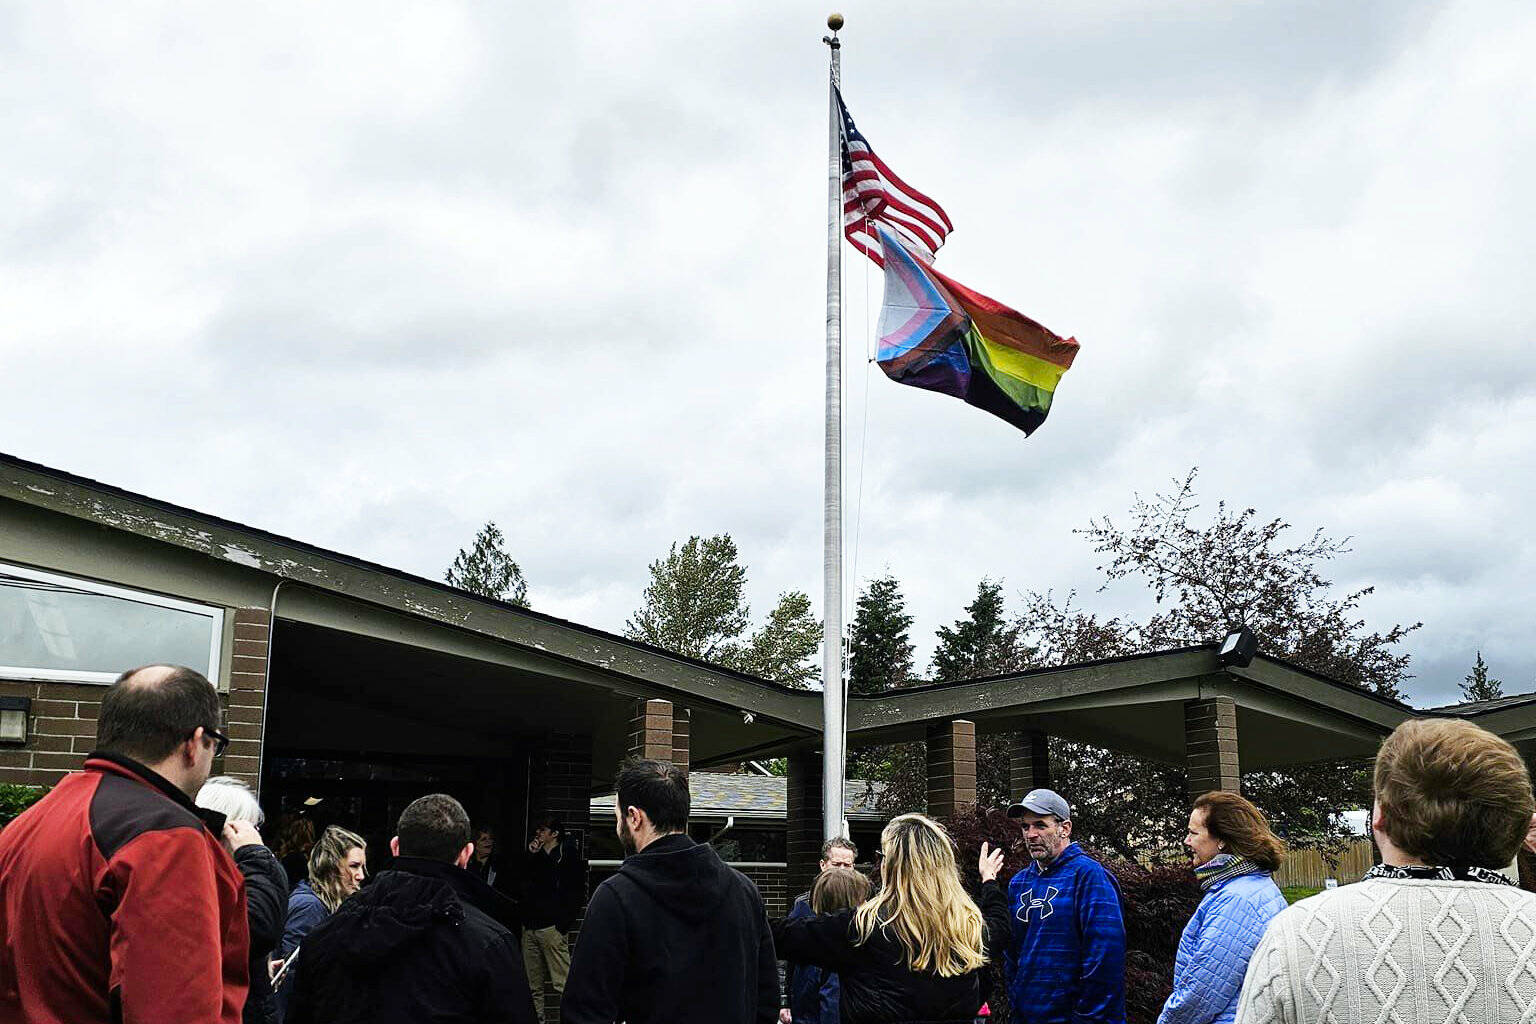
x,y
834,21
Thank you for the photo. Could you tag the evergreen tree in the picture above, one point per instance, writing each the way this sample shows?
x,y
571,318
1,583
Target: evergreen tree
x,y
879,651
693,605
784,649
880,659
984,643
1478,686
486,569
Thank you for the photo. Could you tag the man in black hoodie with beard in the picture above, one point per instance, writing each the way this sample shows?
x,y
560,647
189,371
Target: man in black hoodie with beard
x,y
427,941
675,937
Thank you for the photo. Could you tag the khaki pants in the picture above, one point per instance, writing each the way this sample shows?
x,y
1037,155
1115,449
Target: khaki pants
x,y
545,954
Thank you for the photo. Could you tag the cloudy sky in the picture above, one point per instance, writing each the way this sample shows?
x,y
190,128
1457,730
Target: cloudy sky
x,y
371,274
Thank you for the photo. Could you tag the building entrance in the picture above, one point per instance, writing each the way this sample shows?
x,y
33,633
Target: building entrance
x,y
358,727
367,794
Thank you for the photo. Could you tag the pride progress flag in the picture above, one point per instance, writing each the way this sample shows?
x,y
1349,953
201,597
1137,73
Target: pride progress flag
x,y
937,334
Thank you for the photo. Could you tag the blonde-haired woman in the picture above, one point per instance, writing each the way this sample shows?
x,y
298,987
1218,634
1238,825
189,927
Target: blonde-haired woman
x,y
914,951
337,867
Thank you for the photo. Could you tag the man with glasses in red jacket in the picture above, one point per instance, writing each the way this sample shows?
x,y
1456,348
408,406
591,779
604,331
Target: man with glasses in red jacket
x,y
118,902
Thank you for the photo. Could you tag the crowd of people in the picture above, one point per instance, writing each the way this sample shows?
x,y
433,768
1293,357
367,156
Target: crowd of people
x,y
140,890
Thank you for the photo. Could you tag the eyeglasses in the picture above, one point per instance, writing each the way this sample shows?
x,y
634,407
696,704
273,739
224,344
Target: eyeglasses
x,y
220,740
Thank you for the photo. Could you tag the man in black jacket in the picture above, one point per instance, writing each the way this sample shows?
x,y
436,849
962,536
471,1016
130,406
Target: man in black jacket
x,y
553,883
675,937
426,941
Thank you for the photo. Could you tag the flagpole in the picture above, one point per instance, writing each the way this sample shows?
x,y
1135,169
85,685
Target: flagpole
x,y
832,734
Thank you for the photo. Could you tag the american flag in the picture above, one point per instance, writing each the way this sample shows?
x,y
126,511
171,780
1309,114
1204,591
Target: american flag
x,y
872,194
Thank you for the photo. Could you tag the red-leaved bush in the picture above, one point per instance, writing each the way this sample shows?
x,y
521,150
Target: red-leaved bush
x,y
1157,902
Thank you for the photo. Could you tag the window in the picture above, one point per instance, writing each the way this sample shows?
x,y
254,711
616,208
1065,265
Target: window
x,y
56,627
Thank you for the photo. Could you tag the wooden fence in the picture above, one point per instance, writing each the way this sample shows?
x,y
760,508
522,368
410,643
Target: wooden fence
x,y
1306,868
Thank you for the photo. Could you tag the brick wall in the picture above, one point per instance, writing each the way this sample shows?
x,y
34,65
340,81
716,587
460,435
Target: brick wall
x,y
561,781
773,883
61,730
243,703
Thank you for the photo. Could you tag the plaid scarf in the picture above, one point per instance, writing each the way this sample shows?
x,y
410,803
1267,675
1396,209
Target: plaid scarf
x,y
1487,875
1222,867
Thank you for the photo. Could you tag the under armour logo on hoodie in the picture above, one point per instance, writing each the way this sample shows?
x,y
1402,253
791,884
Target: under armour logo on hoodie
x,y
1042,909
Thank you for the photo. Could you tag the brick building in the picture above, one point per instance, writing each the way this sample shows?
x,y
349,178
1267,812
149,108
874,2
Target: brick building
x,y
352,688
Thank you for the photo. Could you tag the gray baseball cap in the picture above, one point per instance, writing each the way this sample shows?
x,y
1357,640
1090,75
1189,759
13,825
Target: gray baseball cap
x,y
1042,801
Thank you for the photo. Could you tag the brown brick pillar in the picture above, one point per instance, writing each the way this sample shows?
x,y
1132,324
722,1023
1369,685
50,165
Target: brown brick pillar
x,y
951,766
1210,745
1030,766
246,697
651,730
804,832
682,726
560,781
560,784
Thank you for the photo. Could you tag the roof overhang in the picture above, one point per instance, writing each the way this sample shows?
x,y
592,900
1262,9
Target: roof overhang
x,y
1135,704
335,590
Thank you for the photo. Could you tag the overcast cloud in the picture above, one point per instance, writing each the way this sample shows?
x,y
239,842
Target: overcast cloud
x,y
370,274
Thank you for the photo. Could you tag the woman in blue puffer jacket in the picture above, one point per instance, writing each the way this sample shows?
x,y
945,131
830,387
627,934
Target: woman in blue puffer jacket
x,y
1235,853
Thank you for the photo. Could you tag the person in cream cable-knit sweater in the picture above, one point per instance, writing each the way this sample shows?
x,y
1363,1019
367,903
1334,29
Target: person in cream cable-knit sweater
x,y
1433,935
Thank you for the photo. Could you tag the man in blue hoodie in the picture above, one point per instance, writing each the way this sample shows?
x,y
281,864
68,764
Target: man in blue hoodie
x,y
1066,963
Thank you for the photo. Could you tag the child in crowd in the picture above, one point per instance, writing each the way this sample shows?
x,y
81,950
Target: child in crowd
x,y
816,999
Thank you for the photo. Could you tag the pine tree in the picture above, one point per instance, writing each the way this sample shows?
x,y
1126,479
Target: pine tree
x,y
1478,686
984,643
879,650
784,649
486,569
693,605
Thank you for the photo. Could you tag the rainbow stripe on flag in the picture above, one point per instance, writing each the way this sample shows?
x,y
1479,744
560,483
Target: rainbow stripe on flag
x,y
937,334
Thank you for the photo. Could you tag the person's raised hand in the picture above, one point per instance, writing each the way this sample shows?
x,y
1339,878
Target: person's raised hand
x,y
784,1017
990,863
240,833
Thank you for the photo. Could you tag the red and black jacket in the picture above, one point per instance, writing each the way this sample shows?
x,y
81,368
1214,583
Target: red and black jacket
x,y
118,902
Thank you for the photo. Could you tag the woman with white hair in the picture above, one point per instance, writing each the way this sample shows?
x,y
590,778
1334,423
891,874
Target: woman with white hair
x,y
266,886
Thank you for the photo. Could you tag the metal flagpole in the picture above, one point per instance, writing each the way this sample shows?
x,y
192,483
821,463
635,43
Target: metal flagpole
x,y
832,736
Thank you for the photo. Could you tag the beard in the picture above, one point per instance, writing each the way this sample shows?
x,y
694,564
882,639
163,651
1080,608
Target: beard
x,y
626,837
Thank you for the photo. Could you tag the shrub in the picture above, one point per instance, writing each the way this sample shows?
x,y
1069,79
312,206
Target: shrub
x,y
14,799
1157,901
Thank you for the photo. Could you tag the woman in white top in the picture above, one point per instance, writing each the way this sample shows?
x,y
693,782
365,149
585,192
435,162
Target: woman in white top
x,y
1435,934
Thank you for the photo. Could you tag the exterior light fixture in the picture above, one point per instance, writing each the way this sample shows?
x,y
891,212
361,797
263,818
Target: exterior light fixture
x,y
1238,648
13,719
